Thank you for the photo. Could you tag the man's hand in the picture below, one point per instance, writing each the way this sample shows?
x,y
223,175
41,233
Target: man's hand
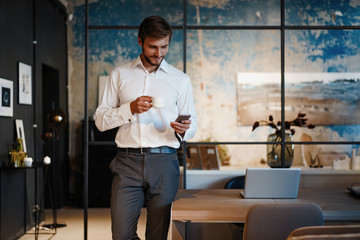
x,y
141,104
181,128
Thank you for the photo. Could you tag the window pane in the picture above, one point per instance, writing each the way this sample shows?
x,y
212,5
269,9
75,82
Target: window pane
x,y
322,13
323,81
132,12
222,65
233,12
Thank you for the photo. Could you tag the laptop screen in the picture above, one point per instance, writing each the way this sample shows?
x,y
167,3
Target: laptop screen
x,y
271,182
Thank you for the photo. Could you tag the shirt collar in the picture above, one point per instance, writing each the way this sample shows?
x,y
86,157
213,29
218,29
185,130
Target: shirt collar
x,y
164,66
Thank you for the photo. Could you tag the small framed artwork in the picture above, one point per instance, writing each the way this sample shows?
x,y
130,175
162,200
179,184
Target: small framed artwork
x,y
209,157
20,131
25,84
6,97
193,158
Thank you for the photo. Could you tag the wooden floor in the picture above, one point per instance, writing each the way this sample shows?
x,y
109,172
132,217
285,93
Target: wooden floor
x,y
99,225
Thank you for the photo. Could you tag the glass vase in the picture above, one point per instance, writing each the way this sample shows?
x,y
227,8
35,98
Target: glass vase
x,y
274,151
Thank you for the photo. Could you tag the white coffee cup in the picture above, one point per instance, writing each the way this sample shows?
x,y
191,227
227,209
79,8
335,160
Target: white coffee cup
x,y
28,161
158,102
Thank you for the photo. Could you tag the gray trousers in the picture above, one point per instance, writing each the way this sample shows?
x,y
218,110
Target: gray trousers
x,y
143,178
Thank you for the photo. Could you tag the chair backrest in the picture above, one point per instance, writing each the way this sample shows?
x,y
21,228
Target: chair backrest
x,y
344,236
275,221
235,183
326,232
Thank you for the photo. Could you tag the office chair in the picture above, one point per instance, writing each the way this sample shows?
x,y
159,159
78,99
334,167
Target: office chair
x,y
326,232
275,221
235,183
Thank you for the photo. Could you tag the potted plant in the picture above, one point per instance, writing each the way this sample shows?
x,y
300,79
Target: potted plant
x,y
274,150
17,154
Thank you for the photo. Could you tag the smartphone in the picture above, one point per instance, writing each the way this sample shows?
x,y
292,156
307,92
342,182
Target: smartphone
x,y
182,117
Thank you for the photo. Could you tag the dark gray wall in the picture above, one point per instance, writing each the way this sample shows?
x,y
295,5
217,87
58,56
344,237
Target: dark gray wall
x,y
22,21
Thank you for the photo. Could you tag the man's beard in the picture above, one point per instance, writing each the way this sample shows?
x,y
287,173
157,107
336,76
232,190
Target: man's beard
x,y
149,61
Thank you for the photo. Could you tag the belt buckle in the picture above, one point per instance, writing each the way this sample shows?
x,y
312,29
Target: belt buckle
x,y
145,150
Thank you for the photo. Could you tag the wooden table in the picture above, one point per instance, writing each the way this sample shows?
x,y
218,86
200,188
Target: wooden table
x,y
226,205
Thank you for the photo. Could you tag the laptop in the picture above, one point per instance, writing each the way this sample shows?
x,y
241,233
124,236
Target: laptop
x,y
271,183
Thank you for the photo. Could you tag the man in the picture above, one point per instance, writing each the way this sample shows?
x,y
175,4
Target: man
x,y
146,168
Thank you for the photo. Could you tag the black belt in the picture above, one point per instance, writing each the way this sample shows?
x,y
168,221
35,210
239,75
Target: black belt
x,y
163,149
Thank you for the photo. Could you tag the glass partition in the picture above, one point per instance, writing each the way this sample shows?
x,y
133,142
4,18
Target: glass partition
x,y
236,80
234,55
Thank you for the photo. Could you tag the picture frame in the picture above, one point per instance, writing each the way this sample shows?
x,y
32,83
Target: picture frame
x,y
210,157
327,98
25,83
20,132
202,157
193,158
6,96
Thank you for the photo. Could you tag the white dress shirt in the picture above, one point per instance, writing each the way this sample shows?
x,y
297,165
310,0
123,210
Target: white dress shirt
x,y
152,128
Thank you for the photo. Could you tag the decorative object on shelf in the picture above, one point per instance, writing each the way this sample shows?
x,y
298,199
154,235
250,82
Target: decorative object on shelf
x,y
17,154
341,164
47,160
355,165
6,97
355,160
20,132
274,150
223,155
25,83
28,161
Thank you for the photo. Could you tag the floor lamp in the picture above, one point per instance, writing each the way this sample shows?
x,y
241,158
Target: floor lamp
x,y
56,119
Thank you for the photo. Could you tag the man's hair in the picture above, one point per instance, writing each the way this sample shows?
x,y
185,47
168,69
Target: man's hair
x,y
154,27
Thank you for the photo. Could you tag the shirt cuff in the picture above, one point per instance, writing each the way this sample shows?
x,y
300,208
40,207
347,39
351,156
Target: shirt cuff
x,y
126,114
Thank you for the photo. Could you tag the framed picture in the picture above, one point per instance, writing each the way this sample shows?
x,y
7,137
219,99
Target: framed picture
x,y
327,98
20,131
202,157
193,158
209,157
25,84
6,96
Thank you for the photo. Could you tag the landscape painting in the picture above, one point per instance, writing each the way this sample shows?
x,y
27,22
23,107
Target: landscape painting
x,y
326,98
